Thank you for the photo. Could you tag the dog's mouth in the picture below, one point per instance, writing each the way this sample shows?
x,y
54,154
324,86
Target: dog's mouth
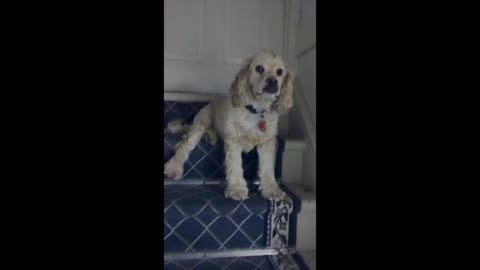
x,y
270,89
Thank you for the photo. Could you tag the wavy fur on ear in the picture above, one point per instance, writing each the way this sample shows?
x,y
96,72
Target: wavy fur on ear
x,y
241,90
285,100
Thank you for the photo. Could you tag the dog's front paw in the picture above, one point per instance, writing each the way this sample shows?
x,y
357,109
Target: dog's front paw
x,y
173,170
272,191
238,193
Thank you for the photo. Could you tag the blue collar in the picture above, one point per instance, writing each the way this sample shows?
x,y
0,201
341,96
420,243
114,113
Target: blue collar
x,y
251,109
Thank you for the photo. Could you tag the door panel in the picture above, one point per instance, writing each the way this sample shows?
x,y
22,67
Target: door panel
x,y
207,40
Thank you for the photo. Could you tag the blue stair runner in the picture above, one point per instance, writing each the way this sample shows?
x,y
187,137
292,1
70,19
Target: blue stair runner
x,y
205,230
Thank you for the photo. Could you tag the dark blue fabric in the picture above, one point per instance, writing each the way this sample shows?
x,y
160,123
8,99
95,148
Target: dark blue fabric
x,y
279,157
185,111
206,161
200,218
251,109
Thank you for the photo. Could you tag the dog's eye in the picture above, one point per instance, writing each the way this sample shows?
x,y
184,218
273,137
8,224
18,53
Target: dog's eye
x,y
279,72
259,69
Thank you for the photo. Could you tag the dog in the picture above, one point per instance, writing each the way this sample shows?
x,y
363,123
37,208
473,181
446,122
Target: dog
x,y
260,92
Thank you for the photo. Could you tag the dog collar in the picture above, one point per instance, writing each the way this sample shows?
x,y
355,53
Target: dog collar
x,y
252,109
262,125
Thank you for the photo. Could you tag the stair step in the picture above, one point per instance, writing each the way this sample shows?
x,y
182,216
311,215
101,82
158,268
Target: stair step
x,y
290,262
198,218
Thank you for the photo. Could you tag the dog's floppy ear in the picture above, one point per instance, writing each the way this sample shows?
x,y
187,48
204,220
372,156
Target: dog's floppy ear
x,y
241,89
285,101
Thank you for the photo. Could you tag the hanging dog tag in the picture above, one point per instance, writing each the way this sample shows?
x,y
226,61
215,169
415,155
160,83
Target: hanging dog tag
x,y
262,125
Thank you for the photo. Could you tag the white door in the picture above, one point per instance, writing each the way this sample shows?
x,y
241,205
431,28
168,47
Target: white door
x,y
207,40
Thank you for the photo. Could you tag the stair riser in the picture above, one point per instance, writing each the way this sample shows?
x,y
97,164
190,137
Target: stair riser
x,y
306,230
292,164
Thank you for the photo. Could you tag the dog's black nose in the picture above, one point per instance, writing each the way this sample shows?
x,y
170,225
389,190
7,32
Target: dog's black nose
x,y
271,86
271,81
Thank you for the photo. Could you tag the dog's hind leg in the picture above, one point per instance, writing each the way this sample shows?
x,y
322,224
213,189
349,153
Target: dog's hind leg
x,y
212,136
174,167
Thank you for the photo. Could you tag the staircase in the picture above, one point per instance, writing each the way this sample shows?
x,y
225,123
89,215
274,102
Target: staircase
x,y
205,230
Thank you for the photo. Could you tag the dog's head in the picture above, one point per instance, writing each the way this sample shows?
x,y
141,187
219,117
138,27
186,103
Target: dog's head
x,y
265,75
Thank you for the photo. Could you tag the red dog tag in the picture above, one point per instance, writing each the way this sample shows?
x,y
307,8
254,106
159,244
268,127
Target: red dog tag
x,y
262,125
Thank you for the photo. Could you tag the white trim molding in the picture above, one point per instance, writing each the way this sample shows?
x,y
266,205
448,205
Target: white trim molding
x,y
305,114
186,96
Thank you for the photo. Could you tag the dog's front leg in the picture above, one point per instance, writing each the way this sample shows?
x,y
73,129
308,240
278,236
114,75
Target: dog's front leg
x,y
236,185
268,185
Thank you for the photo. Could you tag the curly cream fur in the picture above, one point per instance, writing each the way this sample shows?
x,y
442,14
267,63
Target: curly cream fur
x,y
241,90
285,100
239,128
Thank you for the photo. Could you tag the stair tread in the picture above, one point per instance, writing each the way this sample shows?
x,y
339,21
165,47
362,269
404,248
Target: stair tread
x,y
199,217
241,263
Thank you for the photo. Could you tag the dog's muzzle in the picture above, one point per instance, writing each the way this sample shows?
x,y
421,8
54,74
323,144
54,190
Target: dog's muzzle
x,y
271,86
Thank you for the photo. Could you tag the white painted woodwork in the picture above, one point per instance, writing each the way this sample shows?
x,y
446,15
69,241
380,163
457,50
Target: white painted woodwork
x,y
207,40
306,219
306,29
302,119
292,162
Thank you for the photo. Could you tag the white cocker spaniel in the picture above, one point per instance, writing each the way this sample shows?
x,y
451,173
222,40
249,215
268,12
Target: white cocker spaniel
x,y
262,89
